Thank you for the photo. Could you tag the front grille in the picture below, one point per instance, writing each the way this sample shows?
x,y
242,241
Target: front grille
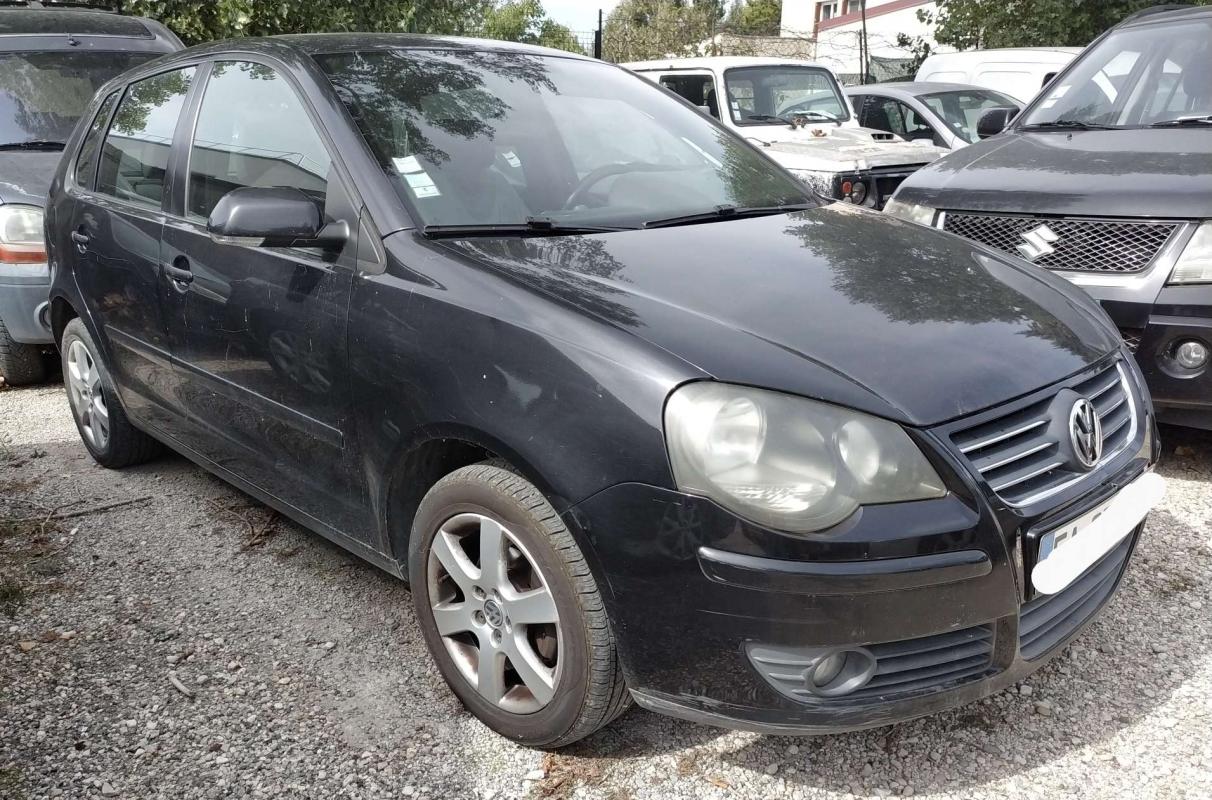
x,y
1048,620
928,663
1022,455
1081,245
1132,337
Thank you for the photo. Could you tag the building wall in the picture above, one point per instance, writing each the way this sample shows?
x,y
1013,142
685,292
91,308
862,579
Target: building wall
x,y
838,38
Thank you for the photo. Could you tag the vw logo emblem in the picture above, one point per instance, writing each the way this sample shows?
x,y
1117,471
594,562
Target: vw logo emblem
x,y
494,614
1038,243
1086,433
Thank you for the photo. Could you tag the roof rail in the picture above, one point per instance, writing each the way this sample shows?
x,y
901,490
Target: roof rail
x,y
93,5
1162,9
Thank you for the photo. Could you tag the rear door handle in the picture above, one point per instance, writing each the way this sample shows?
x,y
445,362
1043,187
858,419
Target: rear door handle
x,y
179,270
81,239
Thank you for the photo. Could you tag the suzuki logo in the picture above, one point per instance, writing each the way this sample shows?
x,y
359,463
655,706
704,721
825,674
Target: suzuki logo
x,y
1039,243
1086,433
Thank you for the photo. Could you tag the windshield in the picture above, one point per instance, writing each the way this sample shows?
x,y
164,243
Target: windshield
x,y
42,95
961,110
491,138
1135,77
757,93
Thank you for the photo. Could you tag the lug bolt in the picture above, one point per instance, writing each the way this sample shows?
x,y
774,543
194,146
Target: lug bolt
x,y
478,617
478,592
496,638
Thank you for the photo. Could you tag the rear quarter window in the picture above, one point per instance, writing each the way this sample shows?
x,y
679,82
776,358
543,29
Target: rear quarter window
x,y
86,162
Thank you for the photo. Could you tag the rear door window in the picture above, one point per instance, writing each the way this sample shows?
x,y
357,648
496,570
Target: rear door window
x,y
253,130
86,163
134,158
698,89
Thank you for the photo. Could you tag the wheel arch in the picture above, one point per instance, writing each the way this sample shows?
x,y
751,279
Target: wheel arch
x,y
434,454
61,313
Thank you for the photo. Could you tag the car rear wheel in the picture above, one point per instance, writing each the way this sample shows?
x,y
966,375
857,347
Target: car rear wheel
x,y
20,364
510,610
107,433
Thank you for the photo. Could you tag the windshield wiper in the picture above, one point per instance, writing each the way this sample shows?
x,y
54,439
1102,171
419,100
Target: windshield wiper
x,y
770,118
1174,123
535,226
34,144
728,212
1069,124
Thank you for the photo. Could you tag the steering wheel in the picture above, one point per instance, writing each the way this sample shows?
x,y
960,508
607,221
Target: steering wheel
x,y
605,171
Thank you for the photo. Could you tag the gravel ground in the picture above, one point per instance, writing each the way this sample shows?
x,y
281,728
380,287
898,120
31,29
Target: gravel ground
x,y
300,671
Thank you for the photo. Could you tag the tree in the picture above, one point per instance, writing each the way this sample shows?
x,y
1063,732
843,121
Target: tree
x,y
972,24
756,17
525,21
641,29
197,21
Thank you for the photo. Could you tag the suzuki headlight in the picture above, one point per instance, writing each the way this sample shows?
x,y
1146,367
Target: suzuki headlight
x,y
820,182
21,238
1195,264
786,462
922,215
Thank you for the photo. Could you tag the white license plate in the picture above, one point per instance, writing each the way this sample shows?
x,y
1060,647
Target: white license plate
x,y
1068,551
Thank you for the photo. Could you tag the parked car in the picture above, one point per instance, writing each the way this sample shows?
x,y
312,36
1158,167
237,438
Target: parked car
x,y
51,62
796,111
635,413
1107,180
1020,72
943,113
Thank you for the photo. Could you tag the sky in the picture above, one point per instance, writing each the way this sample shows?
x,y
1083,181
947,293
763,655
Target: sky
x,y
579,15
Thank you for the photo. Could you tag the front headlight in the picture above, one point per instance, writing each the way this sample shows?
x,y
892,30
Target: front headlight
x,y
1195,264
21,238
922,215
786,462
820,182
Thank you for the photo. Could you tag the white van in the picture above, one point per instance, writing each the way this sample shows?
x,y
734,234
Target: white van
x,y
1017,71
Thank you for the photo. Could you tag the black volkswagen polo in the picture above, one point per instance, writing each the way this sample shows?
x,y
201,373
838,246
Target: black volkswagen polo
x,y
635,416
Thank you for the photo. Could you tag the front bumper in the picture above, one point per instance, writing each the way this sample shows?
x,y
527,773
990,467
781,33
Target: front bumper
x,y
694,593
24,293
1153,331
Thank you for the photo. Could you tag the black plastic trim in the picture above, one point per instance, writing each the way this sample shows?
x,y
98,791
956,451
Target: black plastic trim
x,y
842,577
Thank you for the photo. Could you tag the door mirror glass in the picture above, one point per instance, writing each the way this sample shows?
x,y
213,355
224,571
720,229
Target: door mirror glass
x,y
994,121
273,217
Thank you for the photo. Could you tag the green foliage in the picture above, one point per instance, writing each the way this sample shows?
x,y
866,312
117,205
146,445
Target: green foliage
x,y
642,29
971,24
197,21
525,21
755,17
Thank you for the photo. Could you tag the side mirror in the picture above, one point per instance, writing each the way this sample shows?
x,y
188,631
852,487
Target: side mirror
x,y
994,121
273,217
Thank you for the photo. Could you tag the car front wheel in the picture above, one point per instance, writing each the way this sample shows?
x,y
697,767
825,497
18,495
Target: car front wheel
x,y
510,610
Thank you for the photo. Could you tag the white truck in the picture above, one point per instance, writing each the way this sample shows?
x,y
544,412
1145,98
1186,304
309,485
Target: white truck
x,y
796,111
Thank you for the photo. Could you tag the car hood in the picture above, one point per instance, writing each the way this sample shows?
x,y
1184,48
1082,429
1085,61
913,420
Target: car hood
x,y
25,176
835,149
836,303
1138,173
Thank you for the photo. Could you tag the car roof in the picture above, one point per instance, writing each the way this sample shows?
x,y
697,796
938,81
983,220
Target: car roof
x,y
320,43
33,27
917,88
717,62
1164,13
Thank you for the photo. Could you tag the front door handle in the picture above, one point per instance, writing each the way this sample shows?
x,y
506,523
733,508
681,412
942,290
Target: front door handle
x,y
81,239
179,270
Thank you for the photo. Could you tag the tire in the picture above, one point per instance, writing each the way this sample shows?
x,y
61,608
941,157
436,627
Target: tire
x,y
587,690
20,364
90,388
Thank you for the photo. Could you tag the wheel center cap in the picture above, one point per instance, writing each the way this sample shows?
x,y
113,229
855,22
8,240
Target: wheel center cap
x,y
494,614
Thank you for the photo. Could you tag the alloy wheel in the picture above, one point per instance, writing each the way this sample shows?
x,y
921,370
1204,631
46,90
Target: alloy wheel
x,y
86,395
495,613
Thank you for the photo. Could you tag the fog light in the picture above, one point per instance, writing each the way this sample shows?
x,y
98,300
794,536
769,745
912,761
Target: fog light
x,y
1191,354
840,672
